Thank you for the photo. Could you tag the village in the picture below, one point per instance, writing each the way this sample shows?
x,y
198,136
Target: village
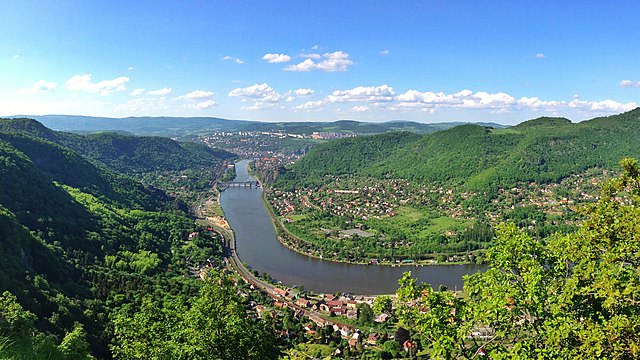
x,y
374,210
312,317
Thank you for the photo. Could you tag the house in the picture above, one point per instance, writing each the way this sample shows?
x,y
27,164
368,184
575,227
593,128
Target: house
x,y
303,303
279,292
409,346
382,318
351,304
259,309
339,310
279,304
352,313
373,338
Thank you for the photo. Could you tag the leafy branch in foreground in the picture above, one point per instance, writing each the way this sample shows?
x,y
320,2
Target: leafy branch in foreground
x,y
571,296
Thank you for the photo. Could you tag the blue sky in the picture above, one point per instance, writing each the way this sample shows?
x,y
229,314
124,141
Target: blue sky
x,y
428,61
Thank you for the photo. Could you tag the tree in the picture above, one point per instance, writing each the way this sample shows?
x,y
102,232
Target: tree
x,y
383,304
365,314
570,296
215,325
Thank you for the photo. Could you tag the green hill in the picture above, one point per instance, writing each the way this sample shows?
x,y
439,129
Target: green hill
x,y
124,153
80,240
542,150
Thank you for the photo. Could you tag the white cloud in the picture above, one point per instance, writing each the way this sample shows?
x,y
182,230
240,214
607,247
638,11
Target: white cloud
x,y
40,86
315,47
303,92
607,105
384,52
16,57
137,92
131,68
360,108
258,92
311,105
160,92
276,58
629,83
462,99
205,104
540,56
332,62
311,56
198,94
198,99
369,94
235,60
105,87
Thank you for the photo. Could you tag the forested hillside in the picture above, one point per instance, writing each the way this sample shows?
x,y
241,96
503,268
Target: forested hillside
x,y
122,153
438,197
542,150
82,244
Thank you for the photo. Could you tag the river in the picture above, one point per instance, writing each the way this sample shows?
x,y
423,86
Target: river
x,y
257,246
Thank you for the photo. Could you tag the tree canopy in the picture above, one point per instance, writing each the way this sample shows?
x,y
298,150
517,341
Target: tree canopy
x,y
570,296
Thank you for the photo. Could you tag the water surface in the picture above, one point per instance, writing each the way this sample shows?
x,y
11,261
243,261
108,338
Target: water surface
x,y
257,246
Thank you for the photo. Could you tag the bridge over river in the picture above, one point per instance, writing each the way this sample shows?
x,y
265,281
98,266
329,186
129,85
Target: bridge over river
x,y
240,184
257,245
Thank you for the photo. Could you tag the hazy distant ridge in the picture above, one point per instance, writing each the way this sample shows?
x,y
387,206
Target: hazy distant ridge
x,y
179,126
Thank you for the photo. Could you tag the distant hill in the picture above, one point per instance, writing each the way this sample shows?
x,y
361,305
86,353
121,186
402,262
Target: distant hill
x,y
181,126
543,150
123,153
79,237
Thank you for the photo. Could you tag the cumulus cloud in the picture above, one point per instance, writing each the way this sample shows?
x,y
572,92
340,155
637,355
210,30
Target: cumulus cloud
x,y
205,104
160,92
330,62
261,93
137,92
540,56
276,58
303,92
311,56
461,99
311,105
629,83
369,94
199,99
502,102
367,98
83,83
384,52
15,57
198,94
360,108
39,86
235,60
131,68
607,105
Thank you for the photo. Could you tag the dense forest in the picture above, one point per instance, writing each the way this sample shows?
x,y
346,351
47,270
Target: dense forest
x,y
83,243
481,158
439,196
99,263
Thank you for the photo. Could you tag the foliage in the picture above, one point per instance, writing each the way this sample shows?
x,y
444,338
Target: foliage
x,y
542,150
215,326
570,296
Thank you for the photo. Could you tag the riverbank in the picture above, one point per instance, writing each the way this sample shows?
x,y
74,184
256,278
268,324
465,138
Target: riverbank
x,y
280,228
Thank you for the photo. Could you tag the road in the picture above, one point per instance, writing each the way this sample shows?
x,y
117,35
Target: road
x,y
235,263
